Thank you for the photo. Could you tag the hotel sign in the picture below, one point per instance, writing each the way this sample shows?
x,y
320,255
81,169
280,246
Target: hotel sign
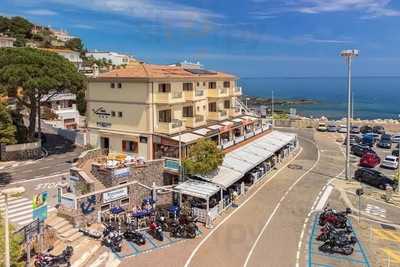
x,y
115,194
103,117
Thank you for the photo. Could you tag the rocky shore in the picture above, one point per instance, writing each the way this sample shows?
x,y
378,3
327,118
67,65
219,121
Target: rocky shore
x,y
253,101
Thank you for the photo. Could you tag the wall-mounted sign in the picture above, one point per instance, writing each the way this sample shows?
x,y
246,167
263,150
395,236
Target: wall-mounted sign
x,y
115,194
103,124
124,172
101,112
68,202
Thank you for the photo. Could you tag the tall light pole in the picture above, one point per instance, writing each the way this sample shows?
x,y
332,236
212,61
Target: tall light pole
x,y
272,108
348,54
8,192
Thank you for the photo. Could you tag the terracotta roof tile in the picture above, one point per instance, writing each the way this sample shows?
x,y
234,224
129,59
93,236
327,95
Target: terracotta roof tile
x,y
158,71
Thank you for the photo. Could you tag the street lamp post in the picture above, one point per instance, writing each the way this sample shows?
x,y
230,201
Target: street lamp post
x,y
8,192
348,54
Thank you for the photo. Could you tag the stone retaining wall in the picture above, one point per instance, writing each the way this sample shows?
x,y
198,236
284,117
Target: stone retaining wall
x,y
21,151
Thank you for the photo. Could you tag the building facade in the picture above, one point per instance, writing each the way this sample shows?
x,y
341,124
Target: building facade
x,y
143,108
6,41
112,57
72,56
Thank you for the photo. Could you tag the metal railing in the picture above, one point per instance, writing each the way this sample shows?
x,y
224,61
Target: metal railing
x,y
176,123
238,89
176,94
199,92
199,118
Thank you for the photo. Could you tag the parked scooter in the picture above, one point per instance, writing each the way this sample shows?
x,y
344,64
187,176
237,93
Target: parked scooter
x,y
135,236
48,260
90,232
113,240
185,227
156,231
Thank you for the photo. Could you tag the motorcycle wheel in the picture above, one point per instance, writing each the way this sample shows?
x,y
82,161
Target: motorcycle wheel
x,y
325,248
348,250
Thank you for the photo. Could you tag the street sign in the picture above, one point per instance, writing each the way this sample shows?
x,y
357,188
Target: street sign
x,y
30,230
39,206
40,213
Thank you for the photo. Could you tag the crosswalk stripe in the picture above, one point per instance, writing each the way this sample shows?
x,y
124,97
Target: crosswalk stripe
x,y
20,203
17,214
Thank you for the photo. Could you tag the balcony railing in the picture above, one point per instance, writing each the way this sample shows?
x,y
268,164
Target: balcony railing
x,y
223,91
176,123
199,92
199,118
176,94
238,89
223,113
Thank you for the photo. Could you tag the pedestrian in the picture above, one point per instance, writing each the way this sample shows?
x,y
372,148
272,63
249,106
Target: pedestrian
x,y
234,198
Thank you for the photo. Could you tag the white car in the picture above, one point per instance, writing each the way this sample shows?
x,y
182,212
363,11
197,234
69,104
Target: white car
x,y
342,129
390,162
322,127
396,138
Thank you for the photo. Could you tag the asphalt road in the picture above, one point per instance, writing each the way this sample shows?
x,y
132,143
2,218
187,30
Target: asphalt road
x,y
266,230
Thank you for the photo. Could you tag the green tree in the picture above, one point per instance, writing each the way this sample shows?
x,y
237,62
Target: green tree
x,y
38,73
17,27
75,44
204,157
15,247
7,129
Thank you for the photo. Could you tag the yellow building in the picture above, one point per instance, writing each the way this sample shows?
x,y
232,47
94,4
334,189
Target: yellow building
x,y
143,108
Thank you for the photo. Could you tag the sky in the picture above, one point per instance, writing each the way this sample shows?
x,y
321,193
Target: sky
x,y
252,38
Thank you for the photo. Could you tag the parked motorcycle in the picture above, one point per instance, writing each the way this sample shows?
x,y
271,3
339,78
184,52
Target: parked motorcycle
x,y
332,246
90,232
185,227
135,236
162,221
337,219
48,260
113,240
107,230
156,231
328,231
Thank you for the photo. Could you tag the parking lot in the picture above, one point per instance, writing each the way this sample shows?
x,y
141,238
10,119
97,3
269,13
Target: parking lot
x,y
317,258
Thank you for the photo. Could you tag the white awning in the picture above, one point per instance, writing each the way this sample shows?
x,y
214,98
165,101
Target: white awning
x,y
238,162
197,189
187,137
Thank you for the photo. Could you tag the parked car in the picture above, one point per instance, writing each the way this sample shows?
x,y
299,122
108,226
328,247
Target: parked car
x,y
374,178
368,139
370,160
342,129
366,129
378,129
395,153
396,138
354,139
332,127
390,162
359,150
322,127
355,129
386,141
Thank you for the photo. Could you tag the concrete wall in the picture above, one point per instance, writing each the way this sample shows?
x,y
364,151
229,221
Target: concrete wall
x,y
20,151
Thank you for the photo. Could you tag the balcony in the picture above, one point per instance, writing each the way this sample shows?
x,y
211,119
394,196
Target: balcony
x,y
196,121
236,91
175,126
234,112
217,116
218,92
194,95
169,97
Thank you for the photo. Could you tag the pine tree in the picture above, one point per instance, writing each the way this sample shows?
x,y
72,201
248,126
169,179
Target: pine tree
x,y
7,129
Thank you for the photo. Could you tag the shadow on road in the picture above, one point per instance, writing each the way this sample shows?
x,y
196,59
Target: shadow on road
x,y
56,144
5,178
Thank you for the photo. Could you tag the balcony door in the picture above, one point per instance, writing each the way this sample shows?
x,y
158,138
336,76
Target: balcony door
x,y
187,111
164,116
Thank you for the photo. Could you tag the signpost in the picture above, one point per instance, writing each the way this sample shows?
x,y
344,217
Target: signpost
x,y
359,193
29,232
39,212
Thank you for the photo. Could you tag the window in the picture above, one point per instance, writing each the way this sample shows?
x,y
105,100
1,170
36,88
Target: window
x,y
212,85
129,146
164,87
227,104
164,116
124,201
112,113
187,111
187,86
204,107
212,107
198,84
198,108
119,85
112,85
204,83
143,139
227,84
120,114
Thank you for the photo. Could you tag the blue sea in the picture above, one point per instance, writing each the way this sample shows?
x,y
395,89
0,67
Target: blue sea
x,y
374,97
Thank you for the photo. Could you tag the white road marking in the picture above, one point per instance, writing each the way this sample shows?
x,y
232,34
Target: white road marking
x,y
324,198
237,209
278,206
46,167
40,178
376,211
